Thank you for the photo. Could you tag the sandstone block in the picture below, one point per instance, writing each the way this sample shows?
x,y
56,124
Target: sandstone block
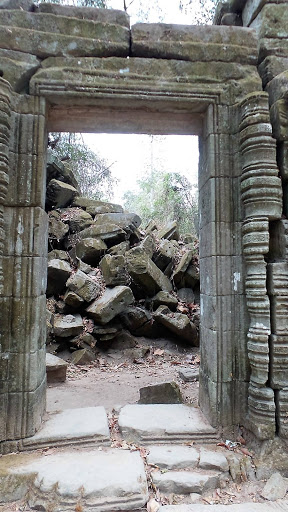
x,y
56,169
185,482
189,374
113,16
25,5
186,295
173,457
59,194
165,253
179,273
84,286
83,356
77,219
145,273
137,320
18,68
213,460
119,249
275,488
72,299
93,206
57,229
56,369
112,302
165,299
57,254
127,221
178,324
170,231
110,233
114,270
58,273
90,250
164,393
67,325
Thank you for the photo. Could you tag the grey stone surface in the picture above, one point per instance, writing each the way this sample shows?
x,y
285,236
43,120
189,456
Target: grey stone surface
x,y
164,423
213,460
177,323
72,426
59,194
189,374
242,507
56,369
184,482
102,481
82,356
67,325
275,488
145,273
173,457
58,273
84,286
112,303
163,393
90,250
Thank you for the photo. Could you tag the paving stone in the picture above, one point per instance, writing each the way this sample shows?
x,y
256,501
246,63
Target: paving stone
x,y
184,482
164,423
213,460
163,393
173,457
80,480
189,374
243,507
275,488
73,426
56,369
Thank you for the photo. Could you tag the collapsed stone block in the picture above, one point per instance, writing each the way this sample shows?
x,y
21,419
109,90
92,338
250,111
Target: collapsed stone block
x,y
77,219
72,299
127,221
185,274
90,250
177,323
109,233
83,356
164,254
58,273
114,270
59,194
165,299
164,393
67,325
112,303
86,287
137,320
57,230
145,273
170,231
56,369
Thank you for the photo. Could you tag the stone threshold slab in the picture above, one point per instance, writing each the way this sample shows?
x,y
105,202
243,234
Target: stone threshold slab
x,y
101,480
243,507
162,423
71,427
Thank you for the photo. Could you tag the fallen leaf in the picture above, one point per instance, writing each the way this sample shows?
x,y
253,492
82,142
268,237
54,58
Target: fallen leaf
x,y
246,451
158,352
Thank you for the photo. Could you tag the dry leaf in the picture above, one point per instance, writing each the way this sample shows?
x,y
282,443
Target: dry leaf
x,y
158,352
246,452
152,505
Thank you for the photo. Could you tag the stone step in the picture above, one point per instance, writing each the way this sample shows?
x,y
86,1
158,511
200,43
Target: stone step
x,y
71,427
165,423
185,482
96,481
243,507
186,457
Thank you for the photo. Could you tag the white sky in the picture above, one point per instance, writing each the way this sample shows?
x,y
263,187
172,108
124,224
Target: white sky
x,y
132,155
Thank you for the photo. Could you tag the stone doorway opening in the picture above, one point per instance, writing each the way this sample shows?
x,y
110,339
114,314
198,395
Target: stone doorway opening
x,y
153,340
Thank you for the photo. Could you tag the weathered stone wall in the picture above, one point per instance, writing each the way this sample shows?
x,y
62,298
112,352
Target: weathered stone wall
x,y
67,69
268,350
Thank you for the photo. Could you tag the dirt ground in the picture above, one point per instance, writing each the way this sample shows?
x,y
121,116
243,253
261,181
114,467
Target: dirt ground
x,y
115,378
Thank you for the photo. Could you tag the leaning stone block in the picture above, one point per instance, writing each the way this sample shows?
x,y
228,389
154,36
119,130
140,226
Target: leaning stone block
x,y
112,302
83,356
164,254
59,194
58,273
114,270
178,324
145,273
84,286
67,325
110,233
56,369
178,275
170,231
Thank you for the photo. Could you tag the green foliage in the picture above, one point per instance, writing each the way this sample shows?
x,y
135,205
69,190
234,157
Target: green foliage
x,y
163,197
92,172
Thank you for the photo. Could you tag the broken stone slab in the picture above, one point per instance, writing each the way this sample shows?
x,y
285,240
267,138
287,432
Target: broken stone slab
x,y
145,273
90,250
72,299
184,482
67,325
107,333
119,249
58,272
148,245
127,221
213,460
179,272
275,488
110,233
59,194
57,254
173,457
82,356
170,231
77,219
72,426
164,393
112,303
165,299
57,229
84,340
179,324
114,270
164,423
137,320
94,206
84,286
102,481
189,374
166,251
123,340
59,170
56,369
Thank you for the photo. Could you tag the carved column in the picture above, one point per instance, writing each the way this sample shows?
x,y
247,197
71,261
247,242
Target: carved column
x,y
5,115
262,198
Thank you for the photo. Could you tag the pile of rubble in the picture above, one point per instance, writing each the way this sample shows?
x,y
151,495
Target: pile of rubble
x,y
110,281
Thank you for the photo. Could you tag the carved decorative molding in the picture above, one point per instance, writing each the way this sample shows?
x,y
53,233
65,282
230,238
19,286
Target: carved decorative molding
x,y
261,194
5,113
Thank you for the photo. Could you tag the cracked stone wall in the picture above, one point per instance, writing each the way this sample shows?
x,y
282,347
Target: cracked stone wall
x,y
67,68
